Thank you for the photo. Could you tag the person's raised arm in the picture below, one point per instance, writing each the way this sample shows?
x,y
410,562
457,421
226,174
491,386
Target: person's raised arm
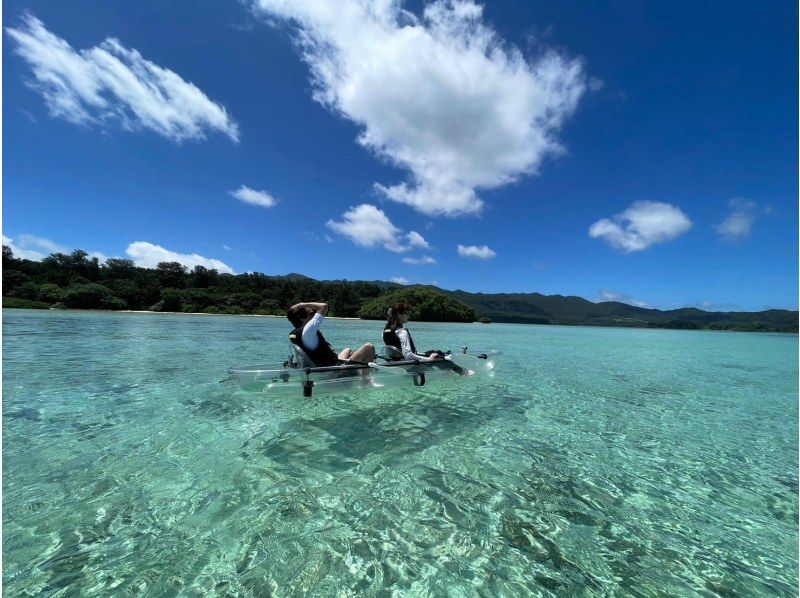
x,y
320,308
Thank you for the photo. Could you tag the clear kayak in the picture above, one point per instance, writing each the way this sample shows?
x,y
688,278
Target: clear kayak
x,y
296,377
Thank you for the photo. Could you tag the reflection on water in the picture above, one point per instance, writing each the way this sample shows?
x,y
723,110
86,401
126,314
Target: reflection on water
x,y
596,461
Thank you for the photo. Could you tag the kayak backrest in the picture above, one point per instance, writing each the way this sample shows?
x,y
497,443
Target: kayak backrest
x,y
303,360
391,353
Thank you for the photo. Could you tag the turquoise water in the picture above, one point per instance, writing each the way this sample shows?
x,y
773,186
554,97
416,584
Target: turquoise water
x,y
596,461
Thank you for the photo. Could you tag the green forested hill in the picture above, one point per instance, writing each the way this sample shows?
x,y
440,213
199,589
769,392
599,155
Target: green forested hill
x,y
80,282
536,308
426,305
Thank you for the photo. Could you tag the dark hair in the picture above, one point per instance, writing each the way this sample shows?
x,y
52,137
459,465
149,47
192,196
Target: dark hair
x,y
296,315
394,314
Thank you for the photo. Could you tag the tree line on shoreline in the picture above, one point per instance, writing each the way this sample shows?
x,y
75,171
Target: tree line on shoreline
x,y
79,281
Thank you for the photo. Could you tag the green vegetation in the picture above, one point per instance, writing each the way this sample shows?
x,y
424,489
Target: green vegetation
x,y
426,305
80,282
24,303
534,308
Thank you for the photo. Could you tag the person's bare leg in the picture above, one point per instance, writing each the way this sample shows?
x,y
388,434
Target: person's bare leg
x,y
364,354
345,354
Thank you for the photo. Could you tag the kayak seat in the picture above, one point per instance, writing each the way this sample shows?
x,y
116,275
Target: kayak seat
x,y
303,360
390,353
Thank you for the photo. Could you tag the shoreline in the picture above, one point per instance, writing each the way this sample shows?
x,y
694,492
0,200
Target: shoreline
x,y
181,313
199,313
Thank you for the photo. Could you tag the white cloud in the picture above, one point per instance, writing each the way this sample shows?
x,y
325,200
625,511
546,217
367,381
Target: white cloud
x,y
399,280
643,224
317,238
226,247
30,247
110,82
425,260
476,252
440,95
101,257
417,240
32,241
603,295
367,226
148,255
595,84
736,226
251,196
739,223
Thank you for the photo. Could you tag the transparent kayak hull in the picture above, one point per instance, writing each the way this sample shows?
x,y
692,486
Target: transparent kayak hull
x,y
280,380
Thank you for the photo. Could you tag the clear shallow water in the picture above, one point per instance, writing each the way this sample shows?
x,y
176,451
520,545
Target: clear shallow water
x,y
596,461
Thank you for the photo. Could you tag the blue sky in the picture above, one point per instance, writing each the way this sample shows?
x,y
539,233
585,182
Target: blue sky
x,y
638,151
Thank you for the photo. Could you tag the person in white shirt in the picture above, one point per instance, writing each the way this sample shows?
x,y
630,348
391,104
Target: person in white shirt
x,y
307,319
395,335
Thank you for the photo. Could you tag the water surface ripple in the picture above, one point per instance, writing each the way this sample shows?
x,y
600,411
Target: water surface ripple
x,y
595,462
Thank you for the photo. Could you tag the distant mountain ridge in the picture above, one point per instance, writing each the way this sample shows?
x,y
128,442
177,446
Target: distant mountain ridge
x,y
535,308
570,310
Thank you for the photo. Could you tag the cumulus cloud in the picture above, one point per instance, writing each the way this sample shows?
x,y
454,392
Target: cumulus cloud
x,y
367,226
148,255
399,280
739,223
30,247
604,295
417,240
643,224
251,196
110,82
425,260
476,252
440,95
